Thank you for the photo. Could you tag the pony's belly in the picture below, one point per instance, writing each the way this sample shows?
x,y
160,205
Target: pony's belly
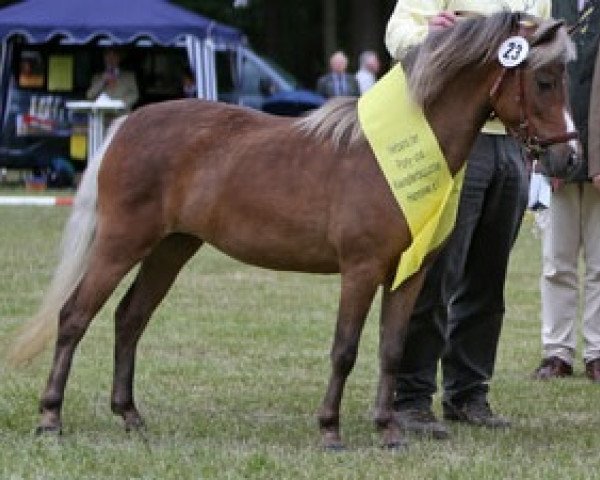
x,y
275,256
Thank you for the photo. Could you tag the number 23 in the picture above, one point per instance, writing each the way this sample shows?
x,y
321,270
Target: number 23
x,y
515,49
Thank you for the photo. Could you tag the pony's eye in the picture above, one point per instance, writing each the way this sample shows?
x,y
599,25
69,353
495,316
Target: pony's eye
x,y
545,84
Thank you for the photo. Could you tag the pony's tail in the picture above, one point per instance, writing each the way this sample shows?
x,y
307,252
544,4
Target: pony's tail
x,y
74,254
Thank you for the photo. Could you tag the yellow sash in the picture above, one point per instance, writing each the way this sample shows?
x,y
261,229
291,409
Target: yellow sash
x,y
413,164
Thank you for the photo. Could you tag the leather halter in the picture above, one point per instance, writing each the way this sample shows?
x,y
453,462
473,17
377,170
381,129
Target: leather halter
x,y
534,145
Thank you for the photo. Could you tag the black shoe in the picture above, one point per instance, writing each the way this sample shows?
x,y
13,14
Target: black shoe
x,y
552,367
421,421
476,413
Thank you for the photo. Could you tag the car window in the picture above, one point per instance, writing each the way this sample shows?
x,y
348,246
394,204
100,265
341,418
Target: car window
x,y
225,66
287,76
251,76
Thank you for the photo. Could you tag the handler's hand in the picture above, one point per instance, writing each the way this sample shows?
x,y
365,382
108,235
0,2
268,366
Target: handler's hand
x,y
442,20
596,181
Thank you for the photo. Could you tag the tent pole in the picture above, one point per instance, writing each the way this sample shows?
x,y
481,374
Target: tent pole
x,y
194,51
210,83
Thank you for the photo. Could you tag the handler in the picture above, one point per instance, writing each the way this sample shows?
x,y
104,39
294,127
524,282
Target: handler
x,y
458,316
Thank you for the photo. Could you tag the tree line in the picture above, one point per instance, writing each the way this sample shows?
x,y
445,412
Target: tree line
x,y
301,34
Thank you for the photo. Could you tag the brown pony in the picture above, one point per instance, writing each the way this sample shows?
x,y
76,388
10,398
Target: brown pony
x,y
304,195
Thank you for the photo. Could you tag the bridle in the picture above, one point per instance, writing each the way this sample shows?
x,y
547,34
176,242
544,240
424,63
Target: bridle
x,y
534,145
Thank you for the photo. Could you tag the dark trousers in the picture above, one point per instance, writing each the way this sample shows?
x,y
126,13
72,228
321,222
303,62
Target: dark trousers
x,y
458,315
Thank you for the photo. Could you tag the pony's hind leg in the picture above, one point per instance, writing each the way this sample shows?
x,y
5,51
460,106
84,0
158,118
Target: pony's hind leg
x,y
108,263
155,277
358,289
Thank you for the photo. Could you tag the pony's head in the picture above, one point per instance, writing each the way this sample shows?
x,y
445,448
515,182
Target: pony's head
x,y
531,96
526,58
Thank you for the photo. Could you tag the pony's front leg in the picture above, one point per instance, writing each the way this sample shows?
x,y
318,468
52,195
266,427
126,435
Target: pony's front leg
x,y
358,290
396,309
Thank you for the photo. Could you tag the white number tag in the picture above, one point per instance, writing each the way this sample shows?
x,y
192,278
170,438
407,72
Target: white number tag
x,y
513,51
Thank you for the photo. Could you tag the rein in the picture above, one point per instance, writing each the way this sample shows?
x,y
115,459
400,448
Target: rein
x,y
533,144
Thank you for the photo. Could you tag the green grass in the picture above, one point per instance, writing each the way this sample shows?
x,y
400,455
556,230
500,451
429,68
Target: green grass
x,y
233,367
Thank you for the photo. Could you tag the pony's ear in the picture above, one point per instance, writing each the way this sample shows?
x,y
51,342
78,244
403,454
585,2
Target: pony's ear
x,y
546,32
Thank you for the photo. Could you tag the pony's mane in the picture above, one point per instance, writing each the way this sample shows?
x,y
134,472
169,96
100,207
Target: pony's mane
x,y
337,121
474,41
431,65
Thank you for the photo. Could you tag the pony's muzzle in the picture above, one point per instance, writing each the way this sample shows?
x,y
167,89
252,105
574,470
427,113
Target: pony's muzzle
x,y
561,160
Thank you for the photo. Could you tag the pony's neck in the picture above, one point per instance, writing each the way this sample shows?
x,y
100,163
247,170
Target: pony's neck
x,y
459,113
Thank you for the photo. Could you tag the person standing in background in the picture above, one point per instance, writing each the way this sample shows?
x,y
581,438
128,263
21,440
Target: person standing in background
x,y
338,83
458,315
369,68
572,222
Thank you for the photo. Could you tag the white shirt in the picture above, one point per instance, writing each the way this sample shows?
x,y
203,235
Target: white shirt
x,y
408,24
365,80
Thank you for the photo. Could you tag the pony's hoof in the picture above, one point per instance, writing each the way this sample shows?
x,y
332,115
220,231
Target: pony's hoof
x,y
331,441
334,448
46,430
395,446
133,421
135,425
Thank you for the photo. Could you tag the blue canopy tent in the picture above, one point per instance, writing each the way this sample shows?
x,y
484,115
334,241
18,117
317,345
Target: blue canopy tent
x,y
86,24
121,22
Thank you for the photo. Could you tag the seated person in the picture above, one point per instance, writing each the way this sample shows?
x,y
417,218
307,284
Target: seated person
x,y
116,83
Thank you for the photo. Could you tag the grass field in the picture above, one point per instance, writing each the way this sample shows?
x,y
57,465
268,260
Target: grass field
x,y
233,366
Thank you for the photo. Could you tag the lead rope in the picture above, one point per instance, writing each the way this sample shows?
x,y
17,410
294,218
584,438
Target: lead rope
x,y
583,19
